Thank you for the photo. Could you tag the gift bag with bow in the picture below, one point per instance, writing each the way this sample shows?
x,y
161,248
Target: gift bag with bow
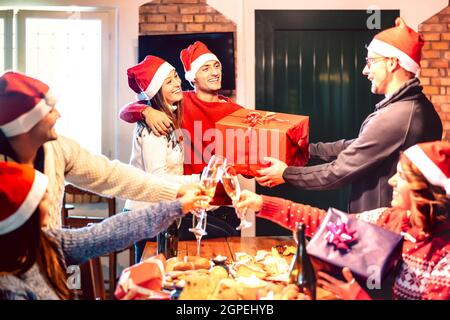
x,y
370,251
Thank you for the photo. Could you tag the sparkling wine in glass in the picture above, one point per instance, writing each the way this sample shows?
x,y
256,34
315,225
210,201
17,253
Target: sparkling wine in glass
x,y
208,181
233,189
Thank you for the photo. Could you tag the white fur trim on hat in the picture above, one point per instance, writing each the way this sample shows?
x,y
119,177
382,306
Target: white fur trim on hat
x,y
429,169
158,79
29,119
197,63
387,50
34,197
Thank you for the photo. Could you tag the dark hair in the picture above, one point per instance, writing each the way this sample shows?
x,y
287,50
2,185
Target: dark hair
x,y
5,146
158,102
431,201
32,245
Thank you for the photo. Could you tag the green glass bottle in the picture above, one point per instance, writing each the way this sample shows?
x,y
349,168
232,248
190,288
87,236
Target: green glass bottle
x,y
302,272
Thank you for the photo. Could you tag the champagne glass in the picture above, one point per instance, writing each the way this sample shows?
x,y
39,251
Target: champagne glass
x,y
233,189
211,175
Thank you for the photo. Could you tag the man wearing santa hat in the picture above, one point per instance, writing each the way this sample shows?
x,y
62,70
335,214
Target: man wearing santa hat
x,y
204,72
27,135
403,118
202,108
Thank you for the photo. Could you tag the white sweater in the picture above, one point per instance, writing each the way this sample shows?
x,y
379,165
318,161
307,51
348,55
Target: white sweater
x,y
160,156
66,160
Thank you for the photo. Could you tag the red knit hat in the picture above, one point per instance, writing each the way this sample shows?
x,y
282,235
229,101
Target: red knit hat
x,y
433,161
21,190
147,77
400,42
193,57
24,101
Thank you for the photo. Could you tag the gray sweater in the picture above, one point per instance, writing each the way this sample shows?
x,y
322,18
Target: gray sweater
x,y
79,245
367,162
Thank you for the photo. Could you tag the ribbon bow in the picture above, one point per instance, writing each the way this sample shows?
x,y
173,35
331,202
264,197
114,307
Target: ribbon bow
x,y
339,235
254,118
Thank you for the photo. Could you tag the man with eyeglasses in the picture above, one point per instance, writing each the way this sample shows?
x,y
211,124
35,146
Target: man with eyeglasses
x,y
403,118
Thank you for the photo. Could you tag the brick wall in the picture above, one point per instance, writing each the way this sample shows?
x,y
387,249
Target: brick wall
x,y
184,16
435,73
181,16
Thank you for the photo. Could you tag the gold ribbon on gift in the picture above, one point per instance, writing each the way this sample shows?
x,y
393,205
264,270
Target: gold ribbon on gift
x,y
254,118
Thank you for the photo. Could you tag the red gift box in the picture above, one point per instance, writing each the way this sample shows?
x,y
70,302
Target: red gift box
x,y
247,136
142,281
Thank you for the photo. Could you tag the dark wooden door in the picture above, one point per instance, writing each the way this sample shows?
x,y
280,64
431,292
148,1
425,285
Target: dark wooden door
x,y
310,63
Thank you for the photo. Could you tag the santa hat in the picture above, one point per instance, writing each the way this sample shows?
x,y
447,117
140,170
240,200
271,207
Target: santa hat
x,y
433,161
193,57
400,42
21,190
24,101
147,77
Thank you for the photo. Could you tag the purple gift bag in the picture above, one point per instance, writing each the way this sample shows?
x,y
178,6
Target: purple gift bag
x,y
370,251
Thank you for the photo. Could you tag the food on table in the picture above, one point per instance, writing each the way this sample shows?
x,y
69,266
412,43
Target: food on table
x,y
187,263
244,270
248,287
261,276
219,272
198,287
285,250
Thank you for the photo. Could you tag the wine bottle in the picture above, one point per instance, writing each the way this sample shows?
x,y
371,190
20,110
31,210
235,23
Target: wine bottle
x,y
168,241
302,272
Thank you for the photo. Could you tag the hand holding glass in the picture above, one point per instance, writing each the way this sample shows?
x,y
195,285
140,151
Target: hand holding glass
x,y
233,189
208,181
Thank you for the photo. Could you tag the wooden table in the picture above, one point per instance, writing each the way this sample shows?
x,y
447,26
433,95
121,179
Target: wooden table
x,y
210,248
230,245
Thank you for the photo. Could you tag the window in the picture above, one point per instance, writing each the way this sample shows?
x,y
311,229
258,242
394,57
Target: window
x,y
66,54
6,40
2,44
70,51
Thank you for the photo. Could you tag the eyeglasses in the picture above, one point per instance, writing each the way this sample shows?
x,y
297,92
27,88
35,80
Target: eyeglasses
x,y
371,61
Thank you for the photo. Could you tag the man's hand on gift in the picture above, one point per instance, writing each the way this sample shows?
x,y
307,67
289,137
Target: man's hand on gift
x,y
345,290
157,121
273,175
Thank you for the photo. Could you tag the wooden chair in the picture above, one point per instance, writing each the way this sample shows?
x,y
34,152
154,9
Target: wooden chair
x,y
92,284
91,270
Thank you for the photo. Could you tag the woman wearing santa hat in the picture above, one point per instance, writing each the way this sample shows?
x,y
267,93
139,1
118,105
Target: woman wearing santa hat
x,y
28,114
420,207
157,82
33,261
201,109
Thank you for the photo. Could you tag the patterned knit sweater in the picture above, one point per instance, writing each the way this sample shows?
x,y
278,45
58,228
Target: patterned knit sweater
x,y
79,245
424,272
66,160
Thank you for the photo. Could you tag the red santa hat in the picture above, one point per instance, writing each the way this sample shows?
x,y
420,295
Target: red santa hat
x,y
147,77
433,161
24,101
21,190
400,42
193,57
